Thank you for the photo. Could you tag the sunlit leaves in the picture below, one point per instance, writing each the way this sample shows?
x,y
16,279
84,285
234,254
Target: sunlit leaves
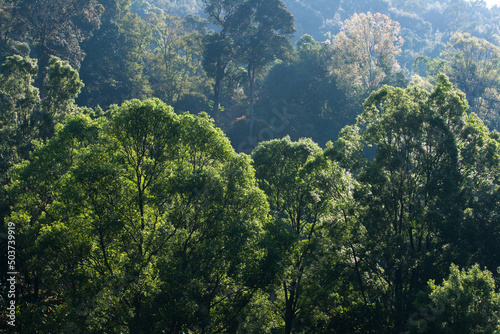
x,y
366,51
405,149
18,100
62,86
473,65
466,302
145,212
309,197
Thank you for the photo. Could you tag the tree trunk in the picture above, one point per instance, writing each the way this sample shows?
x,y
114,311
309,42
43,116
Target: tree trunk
x,y
43,64
36,287
251,77
289,307
215,108
399,304
137,327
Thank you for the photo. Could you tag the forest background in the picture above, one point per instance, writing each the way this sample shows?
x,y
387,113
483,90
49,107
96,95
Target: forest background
x,y
250,166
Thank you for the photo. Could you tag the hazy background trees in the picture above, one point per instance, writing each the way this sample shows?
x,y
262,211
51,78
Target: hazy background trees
x,y
366,199
140,49
366,51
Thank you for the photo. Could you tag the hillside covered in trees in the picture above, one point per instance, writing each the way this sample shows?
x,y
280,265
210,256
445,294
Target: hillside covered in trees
x,y
249,166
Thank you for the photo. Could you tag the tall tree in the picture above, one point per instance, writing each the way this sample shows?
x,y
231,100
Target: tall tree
x,y
62,86
473,65
307,196
479,238
410,191
366,51
299,96
261,36
18,101
218,47
143,221
57,28
175,64
113,69
253,32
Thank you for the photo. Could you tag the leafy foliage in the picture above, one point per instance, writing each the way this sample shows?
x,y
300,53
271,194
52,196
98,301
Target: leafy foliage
x,y
159,220
466,302
366,50
309,200
133,218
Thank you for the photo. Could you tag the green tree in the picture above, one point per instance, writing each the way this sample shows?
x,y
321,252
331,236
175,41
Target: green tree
x,y
261,36
141,221
479,240
218,52
114,66
299,97
175,66
62,86
24,117
56,28
473,66
466,302
10,43
309,197
253,33
18,101
366,51
409,196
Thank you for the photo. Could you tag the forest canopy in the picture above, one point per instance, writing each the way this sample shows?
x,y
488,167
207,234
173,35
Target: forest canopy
x,y
249,166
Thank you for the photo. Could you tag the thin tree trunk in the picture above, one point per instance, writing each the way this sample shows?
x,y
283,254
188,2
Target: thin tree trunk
x,y
137,327
218,81
215,109
251,77
399,304
289,307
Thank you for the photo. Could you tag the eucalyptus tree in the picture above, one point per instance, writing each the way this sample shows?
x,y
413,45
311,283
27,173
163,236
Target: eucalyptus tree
x,y
366,51
465,302
252,32
25,118
141,221
262,36
309,198
62,86
409,195
56,28
22,106
18,100
479,239
175,61
473,65
114,65
219,50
